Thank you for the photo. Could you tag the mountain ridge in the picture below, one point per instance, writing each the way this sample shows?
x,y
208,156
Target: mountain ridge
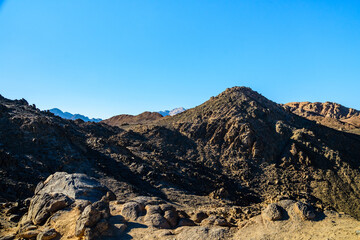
x,y
70,116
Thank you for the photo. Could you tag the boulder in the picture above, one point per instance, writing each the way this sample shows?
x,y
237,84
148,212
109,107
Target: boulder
x,y
88,218
131,210
75,186
172,217
94,215
272,212
156,220
43,205
304,210
152,209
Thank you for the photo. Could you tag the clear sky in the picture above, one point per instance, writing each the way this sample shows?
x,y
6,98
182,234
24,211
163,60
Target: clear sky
x,y
102,58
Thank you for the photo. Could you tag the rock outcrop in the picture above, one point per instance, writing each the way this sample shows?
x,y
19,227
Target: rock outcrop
x,y
63,191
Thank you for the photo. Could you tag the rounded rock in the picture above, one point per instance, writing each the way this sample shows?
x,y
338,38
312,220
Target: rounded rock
x,y
272,212
304,210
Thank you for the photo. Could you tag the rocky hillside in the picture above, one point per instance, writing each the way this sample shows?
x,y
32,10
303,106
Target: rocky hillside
x,y
125,119
328,114
238,151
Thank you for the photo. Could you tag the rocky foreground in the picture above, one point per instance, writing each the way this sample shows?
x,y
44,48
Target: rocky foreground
x,y
238,166
75,206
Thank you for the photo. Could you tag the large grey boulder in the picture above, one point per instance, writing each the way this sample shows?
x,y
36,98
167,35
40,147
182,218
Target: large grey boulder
x,y
75,186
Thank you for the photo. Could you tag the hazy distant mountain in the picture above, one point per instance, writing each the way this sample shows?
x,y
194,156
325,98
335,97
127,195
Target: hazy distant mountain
x,y
71,116
172,112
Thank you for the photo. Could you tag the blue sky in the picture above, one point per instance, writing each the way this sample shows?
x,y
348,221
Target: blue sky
x,y
102,58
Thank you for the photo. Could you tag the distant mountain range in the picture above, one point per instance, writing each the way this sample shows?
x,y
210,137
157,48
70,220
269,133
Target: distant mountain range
x,y
71,116
172,112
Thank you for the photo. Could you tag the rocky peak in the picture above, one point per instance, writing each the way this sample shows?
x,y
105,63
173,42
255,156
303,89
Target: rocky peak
x,y
239,103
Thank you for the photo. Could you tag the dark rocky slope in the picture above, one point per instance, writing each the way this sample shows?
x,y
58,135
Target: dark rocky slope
x,y
239,147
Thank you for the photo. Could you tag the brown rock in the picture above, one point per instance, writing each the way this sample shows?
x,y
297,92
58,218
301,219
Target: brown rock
x,y
131,210
156,220
152,209
272,212
89,217
305,211
172,217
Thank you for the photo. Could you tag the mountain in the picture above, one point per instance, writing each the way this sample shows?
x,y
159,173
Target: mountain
x,y
172,112
229,157
125,119
328,114
70,116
